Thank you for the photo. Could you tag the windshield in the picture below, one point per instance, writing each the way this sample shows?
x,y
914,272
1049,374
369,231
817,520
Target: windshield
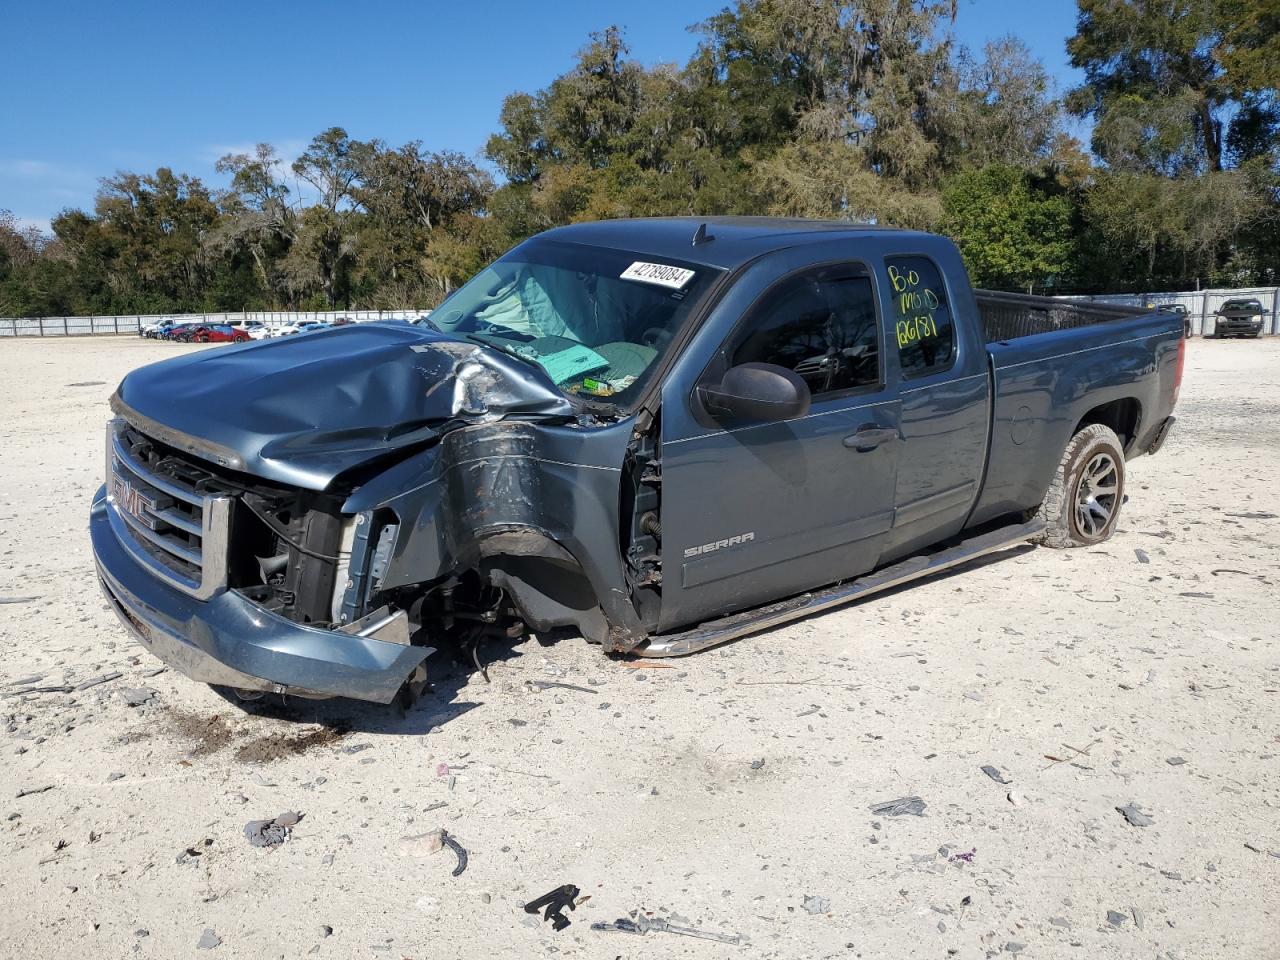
x,y
595,319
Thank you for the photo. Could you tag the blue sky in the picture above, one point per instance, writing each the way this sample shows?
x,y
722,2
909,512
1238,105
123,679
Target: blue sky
x,y
88,88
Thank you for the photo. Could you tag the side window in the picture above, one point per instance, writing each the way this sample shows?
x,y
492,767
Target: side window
x,y
822,324
921,316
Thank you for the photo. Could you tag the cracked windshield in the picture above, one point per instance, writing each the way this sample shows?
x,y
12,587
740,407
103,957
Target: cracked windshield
x,y
595,319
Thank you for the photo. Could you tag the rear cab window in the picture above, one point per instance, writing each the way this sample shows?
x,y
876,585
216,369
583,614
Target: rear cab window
x,y
920,321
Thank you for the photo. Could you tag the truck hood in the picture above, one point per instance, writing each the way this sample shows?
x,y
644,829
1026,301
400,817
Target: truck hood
x,y
302,410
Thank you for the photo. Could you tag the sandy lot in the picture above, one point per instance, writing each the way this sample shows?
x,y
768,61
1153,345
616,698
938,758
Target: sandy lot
x,y
720,793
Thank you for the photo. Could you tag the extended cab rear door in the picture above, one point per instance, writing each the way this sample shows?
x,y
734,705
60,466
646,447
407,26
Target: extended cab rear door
x,y
937,357
753,512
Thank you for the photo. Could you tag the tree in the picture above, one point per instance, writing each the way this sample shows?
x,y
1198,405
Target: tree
x,y
409,195
323,254
1154,83
257,220
1006,111
1014,232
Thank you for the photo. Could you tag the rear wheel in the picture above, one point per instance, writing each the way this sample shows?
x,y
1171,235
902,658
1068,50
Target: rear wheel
x,y
1082,506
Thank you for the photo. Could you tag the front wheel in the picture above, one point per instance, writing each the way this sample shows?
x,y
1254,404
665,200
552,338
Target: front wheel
x,y
1083,502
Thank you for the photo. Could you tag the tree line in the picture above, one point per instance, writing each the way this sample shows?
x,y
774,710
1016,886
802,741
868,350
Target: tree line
x,y
865,110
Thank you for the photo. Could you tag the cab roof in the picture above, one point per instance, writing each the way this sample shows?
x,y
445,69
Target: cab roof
x,y
729,241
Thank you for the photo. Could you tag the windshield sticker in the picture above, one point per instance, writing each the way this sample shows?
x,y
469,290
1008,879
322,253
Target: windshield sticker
x,y
664,275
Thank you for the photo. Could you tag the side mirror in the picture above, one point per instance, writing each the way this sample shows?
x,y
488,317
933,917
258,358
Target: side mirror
x,y
757,391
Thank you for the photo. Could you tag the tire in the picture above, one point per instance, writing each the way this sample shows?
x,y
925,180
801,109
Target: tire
x,y
1082,506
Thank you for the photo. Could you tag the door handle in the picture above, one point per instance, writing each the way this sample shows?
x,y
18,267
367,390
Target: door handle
x,y
869,437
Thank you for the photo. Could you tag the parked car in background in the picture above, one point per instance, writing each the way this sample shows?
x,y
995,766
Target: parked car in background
x,y
315,326
1241,317
1180,310
261,332
177,331
152,330
288,330
342,322
215,333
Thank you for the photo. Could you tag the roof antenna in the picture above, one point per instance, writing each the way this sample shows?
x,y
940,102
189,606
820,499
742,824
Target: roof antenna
x,y
701,235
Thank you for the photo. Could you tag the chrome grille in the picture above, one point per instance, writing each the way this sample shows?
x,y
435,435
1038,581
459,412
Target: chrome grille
x,y
161,513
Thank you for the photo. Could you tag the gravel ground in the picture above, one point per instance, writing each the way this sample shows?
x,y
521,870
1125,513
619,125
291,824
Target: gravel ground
x,y
730,792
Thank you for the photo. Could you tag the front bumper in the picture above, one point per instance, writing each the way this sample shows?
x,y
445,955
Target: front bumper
x,y
230,640
1239,325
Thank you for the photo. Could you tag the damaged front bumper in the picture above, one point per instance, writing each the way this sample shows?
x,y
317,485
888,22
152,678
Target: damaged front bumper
x,y
229,640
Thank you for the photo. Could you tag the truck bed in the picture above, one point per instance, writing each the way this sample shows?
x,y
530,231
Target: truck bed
x,y
1042,353
1011,316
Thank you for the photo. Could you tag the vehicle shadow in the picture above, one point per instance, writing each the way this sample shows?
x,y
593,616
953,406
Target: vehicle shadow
x,y
449,674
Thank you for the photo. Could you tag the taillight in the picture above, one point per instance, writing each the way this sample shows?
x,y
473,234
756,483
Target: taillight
x,y
1177,370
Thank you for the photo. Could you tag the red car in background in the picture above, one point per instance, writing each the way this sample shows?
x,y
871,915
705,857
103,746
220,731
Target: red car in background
x,y
215,333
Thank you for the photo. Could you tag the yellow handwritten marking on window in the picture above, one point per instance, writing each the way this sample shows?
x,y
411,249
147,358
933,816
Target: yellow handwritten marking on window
x,y
914,306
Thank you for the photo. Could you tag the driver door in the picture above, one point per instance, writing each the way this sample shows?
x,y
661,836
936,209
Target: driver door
x,y
754,512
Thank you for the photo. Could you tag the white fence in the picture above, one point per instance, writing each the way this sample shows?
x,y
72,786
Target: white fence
x,y
1201,304
84,326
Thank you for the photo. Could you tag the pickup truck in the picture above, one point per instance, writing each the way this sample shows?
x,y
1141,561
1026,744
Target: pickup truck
x,y
1241,317
659,434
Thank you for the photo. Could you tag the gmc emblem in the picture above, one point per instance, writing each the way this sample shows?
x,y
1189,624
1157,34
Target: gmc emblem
x,y
133,501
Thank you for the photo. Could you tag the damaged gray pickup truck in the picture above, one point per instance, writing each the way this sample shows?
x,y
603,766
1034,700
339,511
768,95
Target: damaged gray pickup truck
x,y
661,434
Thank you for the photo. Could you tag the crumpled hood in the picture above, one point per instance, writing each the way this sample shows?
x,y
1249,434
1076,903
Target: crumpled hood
x,y
303,409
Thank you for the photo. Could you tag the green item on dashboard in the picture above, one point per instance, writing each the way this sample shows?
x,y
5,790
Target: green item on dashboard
x,y
564,365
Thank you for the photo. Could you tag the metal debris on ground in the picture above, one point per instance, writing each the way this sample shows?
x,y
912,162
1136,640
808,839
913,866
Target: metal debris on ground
x,y
816,904
94,681
640,924
900,807
1141,555
271,833
30,791
966,857
1116,918
1135,816
540,685
552,905
18,599
1175,761
995,774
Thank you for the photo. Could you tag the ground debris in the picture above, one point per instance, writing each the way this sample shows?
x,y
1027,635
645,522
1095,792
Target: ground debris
x,y
94,681
270,833
995,774
900,807
816,905
137,696
208,940
640,924
29,791
552,905
1135,816
458,851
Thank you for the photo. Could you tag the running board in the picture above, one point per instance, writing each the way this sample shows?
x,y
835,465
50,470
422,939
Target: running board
x,y
737,625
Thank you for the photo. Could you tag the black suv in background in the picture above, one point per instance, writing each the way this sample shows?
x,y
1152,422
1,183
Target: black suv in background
x,y
1241,317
